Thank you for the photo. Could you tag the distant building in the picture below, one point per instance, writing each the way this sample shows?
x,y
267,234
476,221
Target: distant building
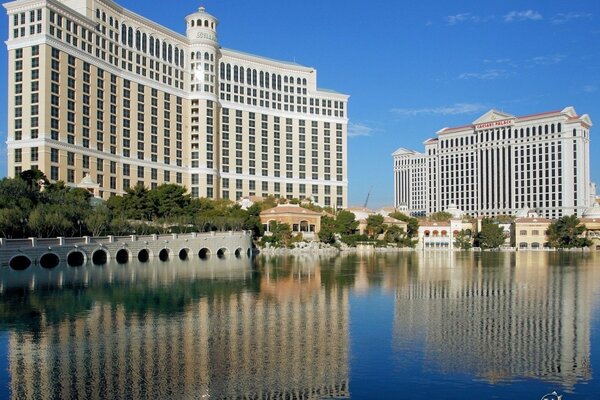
x,y
94,88
529,231
499,165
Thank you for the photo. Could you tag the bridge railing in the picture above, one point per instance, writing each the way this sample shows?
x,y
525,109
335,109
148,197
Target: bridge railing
x,y
8,244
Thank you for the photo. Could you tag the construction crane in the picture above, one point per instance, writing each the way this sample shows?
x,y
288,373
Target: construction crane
x,y
368,195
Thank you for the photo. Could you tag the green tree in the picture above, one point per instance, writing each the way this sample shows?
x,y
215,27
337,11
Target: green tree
x,y
491,235
394,234
345,222
413,224
16,193
97,222
11,223
463,239
50,220
566,232
440,216
375,225
168,200
328,229
281,234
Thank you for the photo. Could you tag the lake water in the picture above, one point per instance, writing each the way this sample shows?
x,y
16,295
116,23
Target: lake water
x,y
403,325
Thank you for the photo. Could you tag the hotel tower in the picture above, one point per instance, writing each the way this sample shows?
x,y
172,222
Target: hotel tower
x,y
95,89
501,164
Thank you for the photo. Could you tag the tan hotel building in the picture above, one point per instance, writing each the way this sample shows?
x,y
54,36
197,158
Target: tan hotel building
x,y
97,89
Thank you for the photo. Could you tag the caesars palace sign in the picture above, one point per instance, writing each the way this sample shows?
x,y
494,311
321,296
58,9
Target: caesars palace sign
x,y
495,124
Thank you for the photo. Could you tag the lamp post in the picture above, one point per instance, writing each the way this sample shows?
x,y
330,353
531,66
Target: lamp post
x,y
23,225
79,222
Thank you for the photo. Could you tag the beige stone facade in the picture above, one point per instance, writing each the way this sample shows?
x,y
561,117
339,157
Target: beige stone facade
x,y
529,233
300,220
97,89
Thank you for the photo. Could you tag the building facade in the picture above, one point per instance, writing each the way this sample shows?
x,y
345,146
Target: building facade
x,y
499,165
97,89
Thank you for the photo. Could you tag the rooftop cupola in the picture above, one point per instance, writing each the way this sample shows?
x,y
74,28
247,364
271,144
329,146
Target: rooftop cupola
x,y
201,27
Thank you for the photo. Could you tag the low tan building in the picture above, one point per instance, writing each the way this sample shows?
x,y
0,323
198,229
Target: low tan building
x,y
300,220
591,220
529,232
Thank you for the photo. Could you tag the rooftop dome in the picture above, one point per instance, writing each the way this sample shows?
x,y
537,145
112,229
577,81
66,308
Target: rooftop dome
x,y
456,212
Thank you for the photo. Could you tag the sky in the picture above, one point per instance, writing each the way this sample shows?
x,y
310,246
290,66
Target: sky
x,y
410,67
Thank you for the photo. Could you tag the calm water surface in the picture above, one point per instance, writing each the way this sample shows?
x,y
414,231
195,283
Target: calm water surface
x,y
408,325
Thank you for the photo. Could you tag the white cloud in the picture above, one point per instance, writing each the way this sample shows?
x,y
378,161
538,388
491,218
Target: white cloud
x,y
515,16
547,60
460,18
563,18
358,129
590,88
488,74
455,109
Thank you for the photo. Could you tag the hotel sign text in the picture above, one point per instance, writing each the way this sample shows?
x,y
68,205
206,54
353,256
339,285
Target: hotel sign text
x,y
495,124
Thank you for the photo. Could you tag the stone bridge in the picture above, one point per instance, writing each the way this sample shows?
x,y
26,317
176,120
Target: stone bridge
x,y
20,254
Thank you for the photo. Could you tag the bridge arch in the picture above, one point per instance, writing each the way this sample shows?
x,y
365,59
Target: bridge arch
x,y
222,253
100,257
164,254
238,252
145,255
204,253
184,254
19,263
76,258
122,256
49,261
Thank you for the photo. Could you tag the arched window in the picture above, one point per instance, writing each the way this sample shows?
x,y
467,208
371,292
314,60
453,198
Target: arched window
x,y
278,82
138,40
110,21
546,129
249,76
151,46
192,22
254,77
235,73
164,51
559,127
170,53
212,25
130,37
181,58
552,128
228,71
222,70
103,16
285,79
298,81
176,56
241,74
144,42
262,79
206,56
274,81
267,80
304,81
97,13
124,34
157,48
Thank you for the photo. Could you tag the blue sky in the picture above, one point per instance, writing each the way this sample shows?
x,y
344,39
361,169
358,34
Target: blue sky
x,y
411,68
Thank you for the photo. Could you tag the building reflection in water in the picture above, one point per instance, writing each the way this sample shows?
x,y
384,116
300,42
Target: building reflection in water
x,y
172,331
497,316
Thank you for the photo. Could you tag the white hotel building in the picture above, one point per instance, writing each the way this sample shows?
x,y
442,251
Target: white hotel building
x,y
95,89
501,164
